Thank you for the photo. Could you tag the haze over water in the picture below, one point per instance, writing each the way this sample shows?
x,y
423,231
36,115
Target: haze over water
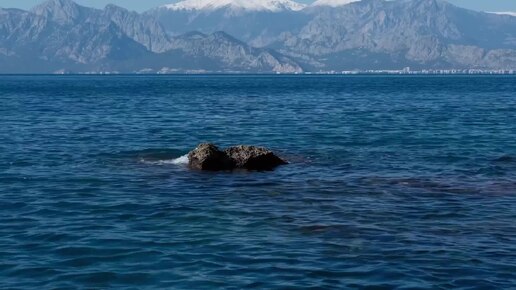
x,y
394,182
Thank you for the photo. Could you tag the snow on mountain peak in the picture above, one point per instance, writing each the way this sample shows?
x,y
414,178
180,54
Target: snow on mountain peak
x,y
333,3
252,5
504,13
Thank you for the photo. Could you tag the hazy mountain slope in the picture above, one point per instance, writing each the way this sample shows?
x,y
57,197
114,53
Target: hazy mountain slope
x,y
424,33
61,35
144,30
332,35
342,34
233,53
256,27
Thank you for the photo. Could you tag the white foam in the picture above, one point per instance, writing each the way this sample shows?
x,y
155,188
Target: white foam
x,y
183,160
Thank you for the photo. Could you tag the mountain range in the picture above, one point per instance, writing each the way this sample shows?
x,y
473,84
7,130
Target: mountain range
x,y
254,36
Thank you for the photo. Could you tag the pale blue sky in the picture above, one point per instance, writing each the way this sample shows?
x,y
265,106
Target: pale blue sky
x,y
141,5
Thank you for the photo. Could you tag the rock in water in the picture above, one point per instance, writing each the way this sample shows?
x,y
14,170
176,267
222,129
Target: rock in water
x,y
208,157
253,158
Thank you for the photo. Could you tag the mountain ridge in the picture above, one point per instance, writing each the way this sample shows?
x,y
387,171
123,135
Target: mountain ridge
x,y
60,35
381,34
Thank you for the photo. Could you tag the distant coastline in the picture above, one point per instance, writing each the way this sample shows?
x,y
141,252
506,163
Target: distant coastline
x,y
350,72
345,73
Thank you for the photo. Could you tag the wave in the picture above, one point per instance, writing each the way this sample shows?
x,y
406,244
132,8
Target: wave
x,y
183,160
158,156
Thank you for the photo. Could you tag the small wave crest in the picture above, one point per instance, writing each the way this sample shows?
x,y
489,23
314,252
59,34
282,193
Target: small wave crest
x,y
183,160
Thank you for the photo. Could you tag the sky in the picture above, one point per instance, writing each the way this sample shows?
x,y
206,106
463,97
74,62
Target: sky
x,y
142,5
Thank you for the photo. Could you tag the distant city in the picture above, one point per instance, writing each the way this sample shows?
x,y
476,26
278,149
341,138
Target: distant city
x,y
404,71
408,71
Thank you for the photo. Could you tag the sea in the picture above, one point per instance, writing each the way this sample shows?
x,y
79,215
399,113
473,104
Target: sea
x,y
394,182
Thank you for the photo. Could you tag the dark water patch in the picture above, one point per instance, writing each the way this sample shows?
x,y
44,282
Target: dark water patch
x,y
505,159
438,185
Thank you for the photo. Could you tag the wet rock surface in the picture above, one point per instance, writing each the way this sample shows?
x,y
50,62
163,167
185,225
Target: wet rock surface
x,y
253,158
209,157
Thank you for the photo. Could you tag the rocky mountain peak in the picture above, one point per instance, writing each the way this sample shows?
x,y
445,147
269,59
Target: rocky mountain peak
x,y
115,8
61,11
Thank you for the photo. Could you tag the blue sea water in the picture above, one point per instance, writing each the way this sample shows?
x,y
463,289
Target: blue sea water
x,y
394,183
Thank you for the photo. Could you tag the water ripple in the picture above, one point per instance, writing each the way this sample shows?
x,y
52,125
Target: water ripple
x,y
394,183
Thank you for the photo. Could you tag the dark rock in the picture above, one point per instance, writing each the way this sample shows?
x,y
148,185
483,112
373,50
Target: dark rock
x,y
208,157
253,158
